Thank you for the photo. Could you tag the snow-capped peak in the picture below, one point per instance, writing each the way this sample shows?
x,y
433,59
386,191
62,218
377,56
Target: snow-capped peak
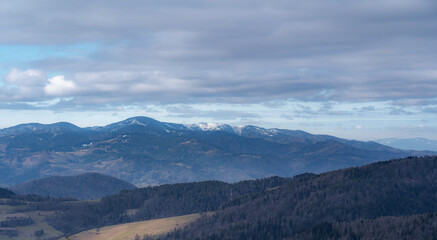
x,y
210,127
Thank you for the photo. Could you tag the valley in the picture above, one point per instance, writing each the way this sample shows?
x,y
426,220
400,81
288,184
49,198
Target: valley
x,y
386,199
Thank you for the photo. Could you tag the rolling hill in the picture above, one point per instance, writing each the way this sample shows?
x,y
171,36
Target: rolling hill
x,y
393,199
83,186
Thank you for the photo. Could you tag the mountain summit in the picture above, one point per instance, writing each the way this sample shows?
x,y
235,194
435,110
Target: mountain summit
x,y
145,151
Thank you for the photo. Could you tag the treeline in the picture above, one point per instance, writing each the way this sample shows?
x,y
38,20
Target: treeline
x,y
411,227
6,193
155,202
8,232
332,205
16,222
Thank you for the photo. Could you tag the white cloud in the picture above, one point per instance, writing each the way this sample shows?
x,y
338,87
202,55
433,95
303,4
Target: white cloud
x,y
30,77
58,86
23,85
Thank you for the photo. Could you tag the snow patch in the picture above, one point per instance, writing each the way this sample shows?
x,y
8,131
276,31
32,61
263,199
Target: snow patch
x,y
238,129
134,121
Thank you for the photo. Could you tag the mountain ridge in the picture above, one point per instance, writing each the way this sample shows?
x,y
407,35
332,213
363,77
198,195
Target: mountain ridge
x,y
145,151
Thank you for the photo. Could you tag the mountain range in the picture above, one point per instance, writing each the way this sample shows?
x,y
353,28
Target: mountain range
x,y
145,151
410,143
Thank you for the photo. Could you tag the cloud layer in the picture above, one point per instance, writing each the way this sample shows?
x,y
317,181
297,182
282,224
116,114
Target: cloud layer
x,y
290,60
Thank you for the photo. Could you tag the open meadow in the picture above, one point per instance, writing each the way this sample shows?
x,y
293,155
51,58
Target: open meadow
x,y
129,230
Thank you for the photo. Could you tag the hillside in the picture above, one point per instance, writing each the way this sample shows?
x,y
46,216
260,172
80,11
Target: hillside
x,y
394,199
144,151
330,205
154,202
83,186
19,222
129,231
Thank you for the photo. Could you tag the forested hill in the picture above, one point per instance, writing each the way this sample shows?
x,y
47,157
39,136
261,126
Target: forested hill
x,y
386,200
155,202
6,193
395,199
83,186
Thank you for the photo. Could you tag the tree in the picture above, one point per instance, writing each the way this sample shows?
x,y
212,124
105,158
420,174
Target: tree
x,y
39,233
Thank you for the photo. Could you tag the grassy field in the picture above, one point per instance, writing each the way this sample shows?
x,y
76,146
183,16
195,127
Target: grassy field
x,y
129,230
27,232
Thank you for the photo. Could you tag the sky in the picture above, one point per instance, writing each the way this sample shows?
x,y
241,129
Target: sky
x,y
355,69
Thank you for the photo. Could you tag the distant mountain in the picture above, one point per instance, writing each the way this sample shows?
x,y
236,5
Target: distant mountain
x,y
55,128
145,151
385,200
410,143
83,186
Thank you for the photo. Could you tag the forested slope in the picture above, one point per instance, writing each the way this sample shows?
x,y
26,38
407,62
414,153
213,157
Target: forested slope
x,y
323,206
154,202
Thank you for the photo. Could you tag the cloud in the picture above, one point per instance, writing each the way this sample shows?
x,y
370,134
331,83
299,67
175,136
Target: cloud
x,y
414,102
23,86
324,109
30,77
365,109
184,111
237,52
432,110
399,111
287,116
59,87
18,106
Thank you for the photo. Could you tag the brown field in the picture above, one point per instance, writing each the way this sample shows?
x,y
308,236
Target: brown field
x,y
129,230
27,232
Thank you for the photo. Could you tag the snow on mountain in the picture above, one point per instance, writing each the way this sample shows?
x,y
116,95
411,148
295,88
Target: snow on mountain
x,y
210,127
239,130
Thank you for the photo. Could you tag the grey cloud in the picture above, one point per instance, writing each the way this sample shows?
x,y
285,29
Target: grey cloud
x,y
234,51
414,102
23,86
432,110
287,116
326,109
18,106
219,114
365,109
399,111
